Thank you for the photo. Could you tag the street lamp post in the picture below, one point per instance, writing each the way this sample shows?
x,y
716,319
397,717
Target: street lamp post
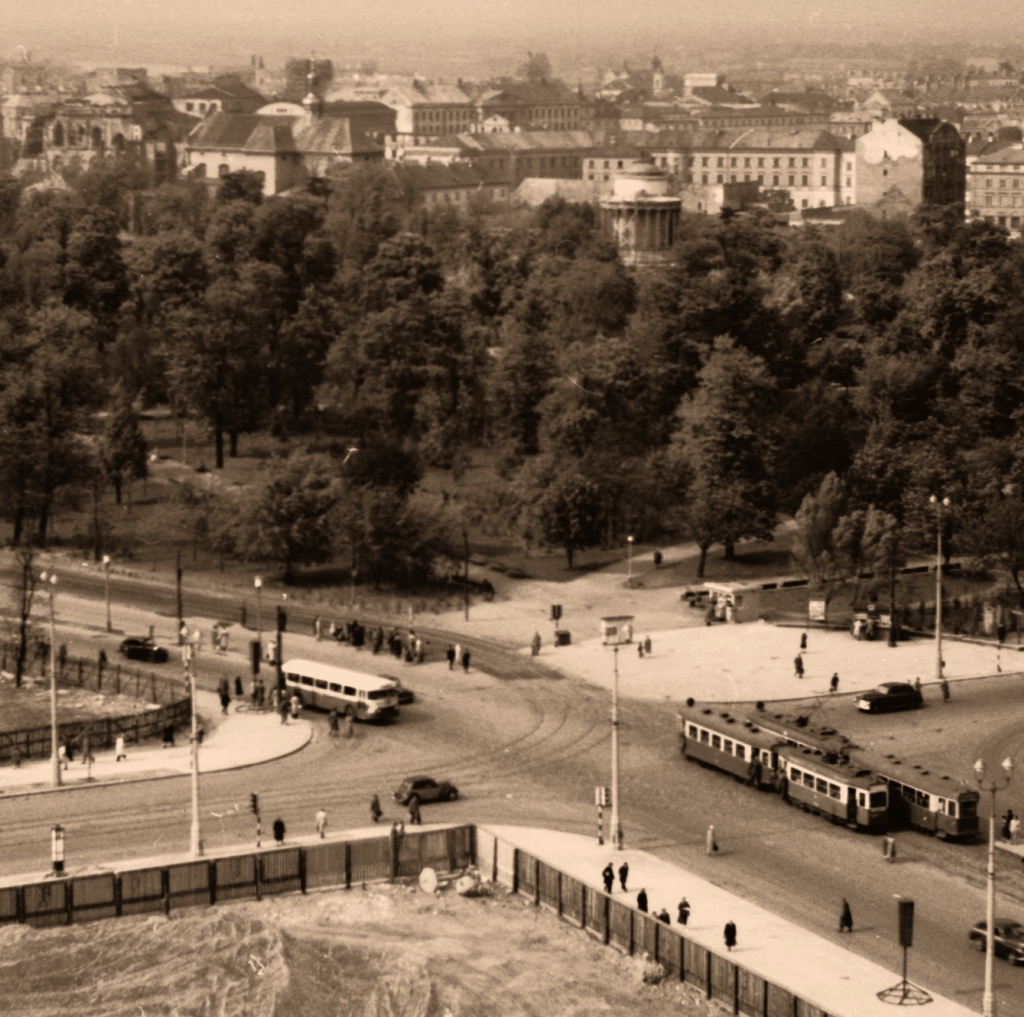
x,y
51,581
629,574
938,587
994,784
258,583
616,821
196,840
106,583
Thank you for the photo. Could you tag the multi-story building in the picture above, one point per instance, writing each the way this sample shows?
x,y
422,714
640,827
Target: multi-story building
x,y
995,186
425,109
535,106
924,159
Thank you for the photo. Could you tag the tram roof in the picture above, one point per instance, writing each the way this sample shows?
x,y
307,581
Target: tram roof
x,y
734,726
847,771
800,730
895,768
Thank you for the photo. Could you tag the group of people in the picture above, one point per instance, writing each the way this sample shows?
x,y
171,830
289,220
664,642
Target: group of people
x,y
457,654
415,818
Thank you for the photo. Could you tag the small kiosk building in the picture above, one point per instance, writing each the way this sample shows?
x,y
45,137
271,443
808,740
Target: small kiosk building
x,y
617,629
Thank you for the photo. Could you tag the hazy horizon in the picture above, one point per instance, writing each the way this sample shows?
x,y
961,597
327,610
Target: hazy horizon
x,y
442,36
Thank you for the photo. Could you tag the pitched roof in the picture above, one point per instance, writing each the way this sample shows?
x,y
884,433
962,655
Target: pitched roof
x,y
529,93
269,134
526,141
435,176
427,93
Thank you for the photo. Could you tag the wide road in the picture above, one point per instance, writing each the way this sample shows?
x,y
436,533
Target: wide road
x,y
527,748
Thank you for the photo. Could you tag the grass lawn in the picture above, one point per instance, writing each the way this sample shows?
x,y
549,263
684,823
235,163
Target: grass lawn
x,y
29,707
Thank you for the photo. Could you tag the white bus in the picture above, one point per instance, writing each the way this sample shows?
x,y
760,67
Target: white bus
x,y
362,696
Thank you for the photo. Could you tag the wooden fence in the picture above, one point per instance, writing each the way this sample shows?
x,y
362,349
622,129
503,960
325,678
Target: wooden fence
x,y
174,707
243,876
635,932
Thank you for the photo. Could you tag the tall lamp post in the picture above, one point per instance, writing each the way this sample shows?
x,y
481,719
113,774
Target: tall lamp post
x,y
939,505
993,784
189,651
258,583
616,821
629,574
106,583
51,581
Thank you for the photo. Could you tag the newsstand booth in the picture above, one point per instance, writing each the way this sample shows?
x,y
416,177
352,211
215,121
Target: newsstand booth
x,y
617,629
734,602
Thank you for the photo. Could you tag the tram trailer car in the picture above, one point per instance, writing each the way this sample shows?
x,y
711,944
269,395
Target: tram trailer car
x,y
930,802
733,744
833,786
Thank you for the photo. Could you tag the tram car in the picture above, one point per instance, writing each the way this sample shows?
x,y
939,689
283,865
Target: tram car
x,y
733,744
834,786
930,802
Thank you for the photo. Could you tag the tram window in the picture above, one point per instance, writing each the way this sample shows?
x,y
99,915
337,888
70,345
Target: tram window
x,y
703,736
766,758
909,793
821,786
833,791
693,731
809,780
861,799
728,746
741,751
924,799
321,684
335,687
878,799
716,742
951,808
794,775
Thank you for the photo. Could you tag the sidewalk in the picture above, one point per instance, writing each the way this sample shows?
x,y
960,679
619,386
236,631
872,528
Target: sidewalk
x,y
230,743
841,983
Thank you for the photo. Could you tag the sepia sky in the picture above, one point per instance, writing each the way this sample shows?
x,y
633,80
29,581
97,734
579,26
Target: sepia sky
x,y
176,31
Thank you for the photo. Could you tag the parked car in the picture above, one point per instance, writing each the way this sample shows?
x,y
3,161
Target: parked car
x,y
426,789
405,696
889,696
142,648
1007,939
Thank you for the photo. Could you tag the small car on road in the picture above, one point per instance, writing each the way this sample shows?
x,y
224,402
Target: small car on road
x,y
1007,939
405,696
889,696
143,648
426,789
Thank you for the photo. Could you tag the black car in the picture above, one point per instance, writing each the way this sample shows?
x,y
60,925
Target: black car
x,y
142,648
1007,939
889,696
405,696
426,789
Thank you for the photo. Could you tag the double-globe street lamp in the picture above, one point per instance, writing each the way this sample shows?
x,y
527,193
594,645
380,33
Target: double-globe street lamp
x,y
51,582
993,784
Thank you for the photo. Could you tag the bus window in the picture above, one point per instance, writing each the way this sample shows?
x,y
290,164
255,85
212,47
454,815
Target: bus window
x,y
741,751
306,681
294,678
809,780
321,684
335,687
794,775
951,808
704,735
728,746
833,791
822,786
878,799
716,742
692,731
349,691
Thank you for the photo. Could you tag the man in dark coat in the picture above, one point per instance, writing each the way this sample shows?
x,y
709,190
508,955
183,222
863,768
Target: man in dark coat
x,y
623,875
465,661
846,918
662,916
641,900
684,911
730,934
450,654
798,666
608,875
279,830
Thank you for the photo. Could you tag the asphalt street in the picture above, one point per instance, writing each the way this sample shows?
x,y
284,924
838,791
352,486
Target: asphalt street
x,y
528,749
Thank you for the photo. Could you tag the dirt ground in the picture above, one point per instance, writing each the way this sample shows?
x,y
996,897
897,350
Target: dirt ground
x,y
382,951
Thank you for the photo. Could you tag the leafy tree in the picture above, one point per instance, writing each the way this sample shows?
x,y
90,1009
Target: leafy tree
x,y
289,519
815,544
95,278
242,185
124,449
537,68
885,553
997,538
165,272
230,235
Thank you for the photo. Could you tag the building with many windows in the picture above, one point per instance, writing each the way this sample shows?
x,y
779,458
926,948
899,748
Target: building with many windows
x,y
426,109
995,188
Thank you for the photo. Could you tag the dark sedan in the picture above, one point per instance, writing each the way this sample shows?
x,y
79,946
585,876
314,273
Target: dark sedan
x,y
1007,939
426,789
141,648
889,696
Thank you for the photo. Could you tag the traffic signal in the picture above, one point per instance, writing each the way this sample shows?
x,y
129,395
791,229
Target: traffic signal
x,y
906,908
254,803
254,655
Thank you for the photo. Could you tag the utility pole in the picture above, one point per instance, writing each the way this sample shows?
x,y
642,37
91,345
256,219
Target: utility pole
x,y
55,777
938,587
615,823
181,610
106,583
196,841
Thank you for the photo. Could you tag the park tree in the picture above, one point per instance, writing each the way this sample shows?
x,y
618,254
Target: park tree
x,y
242,185
885,553
165,271
817,544
124,452
997,537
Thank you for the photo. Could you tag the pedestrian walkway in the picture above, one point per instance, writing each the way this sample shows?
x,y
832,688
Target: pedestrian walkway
x,y
242,738
839,982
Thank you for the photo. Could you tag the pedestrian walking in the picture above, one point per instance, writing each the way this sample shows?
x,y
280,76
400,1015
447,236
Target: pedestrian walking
x,y
450,654
889,848
803,641
798,666
730,935
284,711
623,875
332,722
641,900
846,918
710,844
944,685
684,911
608,875
87,756
239,692
465,661
640,650
279,830
349,722
316,627
647,645
62,756
458,653
296,704
1014,829
415,819
917,683
535,644
168,737
1007,820
662,916
833,685
119,752
225,701
375,810
321,818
